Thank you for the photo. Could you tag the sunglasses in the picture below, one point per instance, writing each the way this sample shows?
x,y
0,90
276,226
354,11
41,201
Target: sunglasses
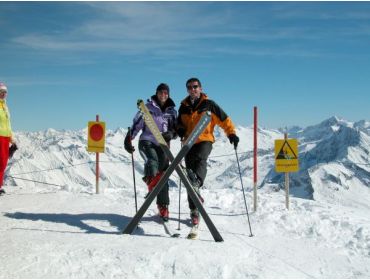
x,y
192,87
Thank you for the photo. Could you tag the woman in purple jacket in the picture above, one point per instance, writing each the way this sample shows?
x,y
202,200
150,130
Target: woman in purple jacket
x,y
162,108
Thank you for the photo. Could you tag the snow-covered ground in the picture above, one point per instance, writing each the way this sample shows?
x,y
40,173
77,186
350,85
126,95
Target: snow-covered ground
x,y
65,230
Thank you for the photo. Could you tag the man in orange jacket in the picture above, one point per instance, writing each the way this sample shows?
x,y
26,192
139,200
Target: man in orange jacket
x,y
190,112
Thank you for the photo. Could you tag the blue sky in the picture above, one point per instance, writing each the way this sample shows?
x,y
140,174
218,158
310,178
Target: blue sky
x,y
298,62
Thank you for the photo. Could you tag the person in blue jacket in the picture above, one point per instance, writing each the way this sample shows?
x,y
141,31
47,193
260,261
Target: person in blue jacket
x,y
162,108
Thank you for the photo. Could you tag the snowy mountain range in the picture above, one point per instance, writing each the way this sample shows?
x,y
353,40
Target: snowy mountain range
x,y
334,159
53,225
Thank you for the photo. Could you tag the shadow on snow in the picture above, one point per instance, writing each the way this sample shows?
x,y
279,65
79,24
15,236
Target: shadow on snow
x,y
75,220
83,222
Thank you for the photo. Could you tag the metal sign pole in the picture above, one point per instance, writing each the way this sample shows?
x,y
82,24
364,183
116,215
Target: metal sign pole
x,y
287,190
286,181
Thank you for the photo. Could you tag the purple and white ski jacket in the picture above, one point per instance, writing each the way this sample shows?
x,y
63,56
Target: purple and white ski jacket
x,y
165,120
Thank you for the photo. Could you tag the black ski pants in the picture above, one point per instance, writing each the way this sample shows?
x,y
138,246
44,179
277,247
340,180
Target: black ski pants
x,y
196,160
155,161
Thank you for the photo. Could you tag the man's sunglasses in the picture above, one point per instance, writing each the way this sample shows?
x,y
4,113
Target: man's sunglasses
x,y
192,87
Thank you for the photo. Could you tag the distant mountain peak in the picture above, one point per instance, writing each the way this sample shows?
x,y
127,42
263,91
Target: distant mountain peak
x,y
334,120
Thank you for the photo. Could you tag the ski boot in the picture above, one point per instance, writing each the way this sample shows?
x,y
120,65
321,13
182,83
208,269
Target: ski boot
x,y
2,191
163,212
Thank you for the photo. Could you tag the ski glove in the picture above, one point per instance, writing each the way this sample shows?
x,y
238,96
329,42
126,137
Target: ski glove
x,y
168,135
12,150
234,140
128,146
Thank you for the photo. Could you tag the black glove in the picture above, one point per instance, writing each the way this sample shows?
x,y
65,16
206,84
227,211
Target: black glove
x,y
128,146
181,132
12,150
234,140
168,135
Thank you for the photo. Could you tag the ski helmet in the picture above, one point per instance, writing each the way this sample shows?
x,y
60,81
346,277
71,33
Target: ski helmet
x,y
3,87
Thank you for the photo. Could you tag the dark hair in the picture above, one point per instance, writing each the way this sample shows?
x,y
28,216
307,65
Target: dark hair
x,y
163,86
191,80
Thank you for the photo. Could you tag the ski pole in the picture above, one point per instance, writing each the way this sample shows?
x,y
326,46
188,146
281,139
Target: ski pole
x,y
133,168
178,228
245,202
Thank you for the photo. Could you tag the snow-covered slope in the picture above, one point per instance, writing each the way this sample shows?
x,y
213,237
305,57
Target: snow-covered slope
x,y
53,225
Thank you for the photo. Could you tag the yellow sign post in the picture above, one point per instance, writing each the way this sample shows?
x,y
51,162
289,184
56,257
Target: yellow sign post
x,y
286,155
286,160
96,143
96,137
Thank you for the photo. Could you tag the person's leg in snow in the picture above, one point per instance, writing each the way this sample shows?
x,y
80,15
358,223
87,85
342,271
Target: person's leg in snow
x,y
196,161
4,156
155,165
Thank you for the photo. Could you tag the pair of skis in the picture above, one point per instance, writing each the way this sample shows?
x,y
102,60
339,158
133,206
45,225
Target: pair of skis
x,y
174,166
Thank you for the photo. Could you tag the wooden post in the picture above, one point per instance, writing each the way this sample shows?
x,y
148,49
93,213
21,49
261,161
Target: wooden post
x,y
255,161
97,166
286,180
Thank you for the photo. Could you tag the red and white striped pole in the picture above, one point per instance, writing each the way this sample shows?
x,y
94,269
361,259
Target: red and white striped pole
x,y
255,160
97,165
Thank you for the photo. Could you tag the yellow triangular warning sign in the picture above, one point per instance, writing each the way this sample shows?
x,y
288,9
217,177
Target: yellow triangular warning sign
x,y
286,155
286,152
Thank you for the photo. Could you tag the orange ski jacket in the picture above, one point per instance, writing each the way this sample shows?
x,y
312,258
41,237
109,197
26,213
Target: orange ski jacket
x,y
188,117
